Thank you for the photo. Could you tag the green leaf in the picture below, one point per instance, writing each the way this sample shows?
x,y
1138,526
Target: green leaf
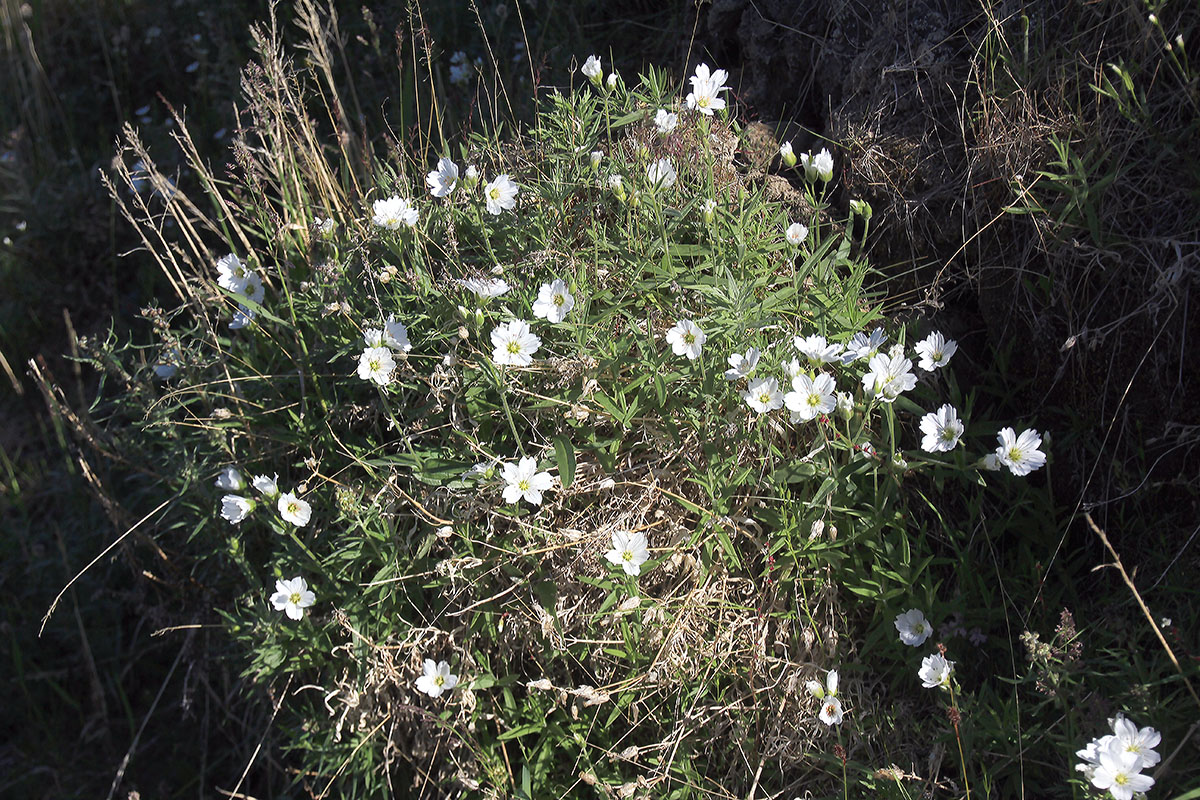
x,y
564,455
521,730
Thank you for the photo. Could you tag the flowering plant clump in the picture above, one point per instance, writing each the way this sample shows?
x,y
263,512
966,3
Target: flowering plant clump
x,y
468,415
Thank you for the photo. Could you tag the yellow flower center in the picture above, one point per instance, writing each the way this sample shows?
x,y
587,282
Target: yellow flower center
x,y
514,347
439,681
764,398
373,364
294,598
559,299
494,193
702,102
627,555
523,484
690,338
1015,453
814,399
1121,779
293,508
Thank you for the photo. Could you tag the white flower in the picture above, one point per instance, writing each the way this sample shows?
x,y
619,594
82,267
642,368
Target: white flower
x,y
942,430
661,174
616,183
823,164
252,290
888,377
831,711
817,349
686,338
829,689
914,628
629,551
810,172
595,158
514,344
553,302
395,335
324,226
787,155
665,121
267,487
471,176
230,480
796,233
524,481
708,208
613,80
241,318
394,213
441,181
231,273
935,671
235,508
763,395
460,69
292,597
990,462
1129,739
706,86
1020,453
811,397
742,365
485,287
373,337
1118,772
792,369
935,351
845,404
862,346
501,195
294,510
1091,755
592,69
376,364
437,679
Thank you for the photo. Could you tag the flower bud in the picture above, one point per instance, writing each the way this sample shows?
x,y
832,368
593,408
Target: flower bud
x,y
786,153
845,405
596,156
617,184
862,208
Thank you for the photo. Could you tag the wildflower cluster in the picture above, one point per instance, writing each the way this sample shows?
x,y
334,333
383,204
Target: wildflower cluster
x,y
1114,762
555,423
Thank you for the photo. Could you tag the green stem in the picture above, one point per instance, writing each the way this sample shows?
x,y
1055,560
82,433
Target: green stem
x,y
961,759
498,376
